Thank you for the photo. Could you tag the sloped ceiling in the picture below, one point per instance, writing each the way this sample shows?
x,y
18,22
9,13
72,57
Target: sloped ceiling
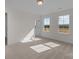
x,y
31,6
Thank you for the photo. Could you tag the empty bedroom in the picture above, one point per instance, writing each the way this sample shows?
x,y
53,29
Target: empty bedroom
x,y
38,29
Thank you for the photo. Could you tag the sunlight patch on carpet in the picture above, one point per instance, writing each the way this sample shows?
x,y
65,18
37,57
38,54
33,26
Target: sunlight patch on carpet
x,y
40,48
52,44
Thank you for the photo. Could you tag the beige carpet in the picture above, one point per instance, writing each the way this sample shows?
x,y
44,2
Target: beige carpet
x,y
23,50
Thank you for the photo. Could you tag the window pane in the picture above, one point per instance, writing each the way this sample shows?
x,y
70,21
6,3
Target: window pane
x,y
61,22
66,21
46,24
66,17
47,21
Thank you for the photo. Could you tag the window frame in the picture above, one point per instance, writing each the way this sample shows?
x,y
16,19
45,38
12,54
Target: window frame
x,y
63,23
47,25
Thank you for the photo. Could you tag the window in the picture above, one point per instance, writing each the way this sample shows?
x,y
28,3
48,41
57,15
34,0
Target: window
x,y
46,24
64,23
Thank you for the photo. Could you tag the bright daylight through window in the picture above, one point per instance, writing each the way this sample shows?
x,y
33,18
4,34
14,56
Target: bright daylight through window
x,y
64,24
46,24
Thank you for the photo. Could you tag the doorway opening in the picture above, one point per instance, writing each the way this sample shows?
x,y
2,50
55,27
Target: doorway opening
x,y
6,38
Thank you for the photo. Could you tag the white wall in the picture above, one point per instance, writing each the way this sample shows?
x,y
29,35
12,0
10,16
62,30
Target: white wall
x,y
19,25
54,34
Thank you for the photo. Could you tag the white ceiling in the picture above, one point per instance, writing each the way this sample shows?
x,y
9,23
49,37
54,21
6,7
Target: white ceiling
x,y
31,6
